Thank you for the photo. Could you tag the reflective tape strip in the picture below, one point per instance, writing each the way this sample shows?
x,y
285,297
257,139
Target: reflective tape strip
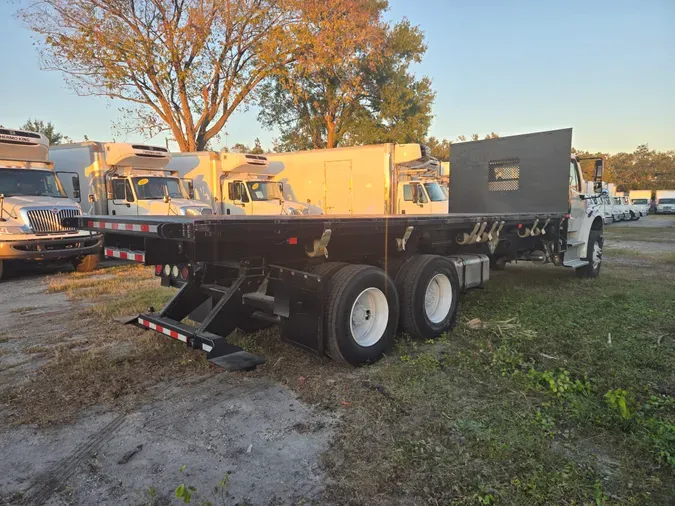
x,y
163,330
132,227
125,255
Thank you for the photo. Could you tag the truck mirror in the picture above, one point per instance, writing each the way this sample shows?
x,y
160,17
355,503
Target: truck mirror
x,y
190,188
599,169
92,199
76,194
76,187
166,199
281,187
231,192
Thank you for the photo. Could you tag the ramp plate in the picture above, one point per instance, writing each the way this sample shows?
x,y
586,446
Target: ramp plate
x,y
238,361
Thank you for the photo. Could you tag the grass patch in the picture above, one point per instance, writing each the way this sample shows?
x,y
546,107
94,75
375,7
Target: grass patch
x,y
642,234
666,258
538,406
4,339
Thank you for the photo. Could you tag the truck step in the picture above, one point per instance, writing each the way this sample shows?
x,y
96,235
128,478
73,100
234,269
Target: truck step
x,y
239,361
577,262
259,300
573,243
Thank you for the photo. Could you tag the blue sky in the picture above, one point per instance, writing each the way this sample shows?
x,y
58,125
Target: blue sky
x,y
604,67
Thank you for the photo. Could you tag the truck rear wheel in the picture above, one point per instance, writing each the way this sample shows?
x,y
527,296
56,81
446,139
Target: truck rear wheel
x,y
87,263
428,289
593,256
361,314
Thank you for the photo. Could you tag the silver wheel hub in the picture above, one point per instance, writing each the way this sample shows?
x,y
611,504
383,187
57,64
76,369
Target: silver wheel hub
x,y
438,298
369,317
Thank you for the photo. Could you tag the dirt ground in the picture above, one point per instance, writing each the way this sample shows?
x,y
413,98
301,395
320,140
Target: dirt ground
x,y
191,430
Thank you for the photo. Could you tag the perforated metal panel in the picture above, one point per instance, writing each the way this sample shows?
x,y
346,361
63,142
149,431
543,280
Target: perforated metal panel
x,y
504,175
519,174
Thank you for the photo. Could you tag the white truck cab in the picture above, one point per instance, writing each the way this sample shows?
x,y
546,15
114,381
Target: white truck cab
x,y
128,179
665,201
640,199
248,182
239,183
33,202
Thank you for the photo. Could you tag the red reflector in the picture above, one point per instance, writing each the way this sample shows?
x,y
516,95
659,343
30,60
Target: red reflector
x,y
520,225
158,270
185,273
292,240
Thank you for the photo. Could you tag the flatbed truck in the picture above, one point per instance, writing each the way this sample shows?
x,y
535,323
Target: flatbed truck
x,y
344,285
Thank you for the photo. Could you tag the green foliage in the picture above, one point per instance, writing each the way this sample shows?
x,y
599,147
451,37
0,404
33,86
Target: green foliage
x,y
48,129
621,401
352,90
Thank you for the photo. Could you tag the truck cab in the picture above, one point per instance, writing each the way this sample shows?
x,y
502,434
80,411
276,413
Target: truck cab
x,y
249,186
422,197
128,179
641,205
32,203
665,202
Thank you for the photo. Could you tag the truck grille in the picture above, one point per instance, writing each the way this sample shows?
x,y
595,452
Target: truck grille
x,y
46,220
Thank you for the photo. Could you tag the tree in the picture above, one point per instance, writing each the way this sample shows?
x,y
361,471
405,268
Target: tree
x,y
240,148
257,148
184,66
396,106
39,126
353,86
440,148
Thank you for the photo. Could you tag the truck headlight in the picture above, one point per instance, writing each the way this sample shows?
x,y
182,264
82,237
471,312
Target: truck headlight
x,y
23,229
191,211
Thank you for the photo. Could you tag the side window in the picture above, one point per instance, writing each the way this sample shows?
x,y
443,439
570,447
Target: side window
x,y
407,192
574,177
118,189
129,192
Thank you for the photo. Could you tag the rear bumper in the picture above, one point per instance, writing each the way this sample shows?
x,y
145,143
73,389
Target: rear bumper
x,y
50,248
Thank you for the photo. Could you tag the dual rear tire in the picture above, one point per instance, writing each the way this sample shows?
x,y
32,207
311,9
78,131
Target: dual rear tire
x,y
363,306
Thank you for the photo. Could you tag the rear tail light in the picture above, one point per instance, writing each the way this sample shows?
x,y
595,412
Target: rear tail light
x,y
174,271
185,273
167,270
158,270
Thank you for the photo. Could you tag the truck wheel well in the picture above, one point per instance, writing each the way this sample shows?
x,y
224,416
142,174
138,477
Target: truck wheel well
x,y
597,224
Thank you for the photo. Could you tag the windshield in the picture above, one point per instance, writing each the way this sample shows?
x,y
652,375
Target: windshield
x,y
640,201
435,192
264,190
30,182
151,188
666,201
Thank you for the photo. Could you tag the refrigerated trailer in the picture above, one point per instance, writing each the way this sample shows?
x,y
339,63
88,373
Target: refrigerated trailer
x,y
376,179
343,285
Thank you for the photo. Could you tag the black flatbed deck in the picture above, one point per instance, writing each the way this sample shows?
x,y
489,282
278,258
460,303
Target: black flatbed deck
x,y
196,228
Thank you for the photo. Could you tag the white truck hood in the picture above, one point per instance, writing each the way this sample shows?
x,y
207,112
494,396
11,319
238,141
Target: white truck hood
x,y
159,207
13,204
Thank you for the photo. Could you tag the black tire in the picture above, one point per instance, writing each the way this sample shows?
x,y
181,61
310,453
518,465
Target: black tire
x,y
347,284
87,263
412,283
632,216
591,271
3,270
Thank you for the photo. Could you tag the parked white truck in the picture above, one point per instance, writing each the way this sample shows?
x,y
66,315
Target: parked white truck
x,y
238,183
665,201
378,179
640,199
127,179
32,204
